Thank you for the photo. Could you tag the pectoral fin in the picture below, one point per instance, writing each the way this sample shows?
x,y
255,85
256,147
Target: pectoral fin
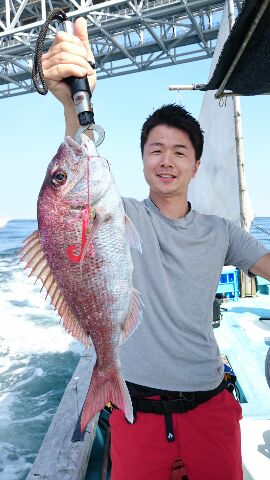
x,y
134,317
98,220
132,235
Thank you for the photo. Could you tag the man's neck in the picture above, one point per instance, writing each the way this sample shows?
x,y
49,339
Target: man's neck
x,y
174,207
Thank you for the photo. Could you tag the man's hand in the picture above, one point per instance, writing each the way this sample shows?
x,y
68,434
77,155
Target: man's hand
x,y
68,56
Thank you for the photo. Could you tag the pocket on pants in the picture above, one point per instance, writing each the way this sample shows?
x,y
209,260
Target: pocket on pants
x,y
234,404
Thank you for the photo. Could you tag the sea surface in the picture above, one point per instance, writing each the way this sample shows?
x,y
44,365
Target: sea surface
x,y
37,357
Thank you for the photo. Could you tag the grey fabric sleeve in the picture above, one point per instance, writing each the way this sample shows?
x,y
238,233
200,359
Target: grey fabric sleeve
x,y
124,203
243,249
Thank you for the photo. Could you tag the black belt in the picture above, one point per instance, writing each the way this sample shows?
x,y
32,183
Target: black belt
x,y
171,402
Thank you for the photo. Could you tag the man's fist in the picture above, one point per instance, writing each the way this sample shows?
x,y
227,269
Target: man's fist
x,y
68,56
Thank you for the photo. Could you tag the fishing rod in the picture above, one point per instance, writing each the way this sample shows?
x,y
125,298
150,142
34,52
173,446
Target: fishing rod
x,y
79,87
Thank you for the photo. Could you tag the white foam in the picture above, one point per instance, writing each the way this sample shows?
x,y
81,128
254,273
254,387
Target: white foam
x,y
22,336
7,399
19,466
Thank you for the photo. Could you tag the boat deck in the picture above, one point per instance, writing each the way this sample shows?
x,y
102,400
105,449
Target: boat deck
x,y
241,336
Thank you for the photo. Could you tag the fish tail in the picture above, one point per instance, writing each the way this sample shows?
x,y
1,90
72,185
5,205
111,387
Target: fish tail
x,y
105,387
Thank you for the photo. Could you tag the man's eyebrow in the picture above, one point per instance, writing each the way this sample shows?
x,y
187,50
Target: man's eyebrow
x,y
156,144
181,146
160,144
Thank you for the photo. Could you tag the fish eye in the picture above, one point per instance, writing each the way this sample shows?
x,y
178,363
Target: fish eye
x,y
59,178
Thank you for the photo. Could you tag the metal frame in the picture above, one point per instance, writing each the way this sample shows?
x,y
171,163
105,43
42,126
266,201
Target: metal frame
x,y
127,36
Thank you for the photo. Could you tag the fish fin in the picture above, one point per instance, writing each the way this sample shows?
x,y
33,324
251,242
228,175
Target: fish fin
x,y
71,325
134,317
95,227
32,253
106,386
132,235
98,220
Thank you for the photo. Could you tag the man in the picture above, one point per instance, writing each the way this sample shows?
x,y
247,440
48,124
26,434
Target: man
x,y
187,423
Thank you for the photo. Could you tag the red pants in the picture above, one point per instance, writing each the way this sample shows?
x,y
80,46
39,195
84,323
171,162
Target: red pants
x,y
207,440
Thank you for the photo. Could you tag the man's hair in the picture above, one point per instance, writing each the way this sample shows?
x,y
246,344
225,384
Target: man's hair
x,y
175,116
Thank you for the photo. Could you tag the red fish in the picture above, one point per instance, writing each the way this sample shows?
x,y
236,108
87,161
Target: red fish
x,y
81,253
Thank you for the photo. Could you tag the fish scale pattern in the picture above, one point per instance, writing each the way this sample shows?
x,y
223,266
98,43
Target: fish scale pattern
x,y
81,253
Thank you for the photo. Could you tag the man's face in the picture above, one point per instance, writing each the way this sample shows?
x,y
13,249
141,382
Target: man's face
x,y
169,161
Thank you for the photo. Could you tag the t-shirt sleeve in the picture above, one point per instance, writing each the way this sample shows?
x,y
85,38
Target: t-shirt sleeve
x,y
243,249
130,205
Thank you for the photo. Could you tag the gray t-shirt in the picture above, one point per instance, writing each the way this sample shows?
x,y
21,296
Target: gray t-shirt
x,y
177,274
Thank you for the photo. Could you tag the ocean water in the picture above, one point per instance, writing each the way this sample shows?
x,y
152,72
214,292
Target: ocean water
x,y
260,228
37,357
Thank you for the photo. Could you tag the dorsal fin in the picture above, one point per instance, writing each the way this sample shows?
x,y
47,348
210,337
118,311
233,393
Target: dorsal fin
x,y
32,253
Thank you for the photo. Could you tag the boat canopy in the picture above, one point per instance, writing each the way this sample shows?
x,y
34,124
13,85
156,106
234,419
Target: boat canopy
x,y
244,63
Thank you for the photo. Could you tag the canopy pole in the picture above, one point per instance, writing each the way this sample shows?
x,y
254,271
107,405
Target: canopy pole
x,y
247,284
239,142
240,163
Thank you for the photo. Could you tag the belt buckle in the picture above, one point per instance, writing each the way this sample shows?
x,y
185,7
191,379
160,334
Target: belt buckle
x,y
175,396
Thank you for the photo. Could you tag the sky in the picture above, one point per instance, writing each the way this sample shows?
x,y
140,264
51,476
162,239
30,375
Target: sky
x,y
32,128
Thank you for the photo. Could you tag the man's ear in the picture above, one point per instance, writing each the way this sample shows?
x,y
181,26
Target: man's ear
x,y
196,166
